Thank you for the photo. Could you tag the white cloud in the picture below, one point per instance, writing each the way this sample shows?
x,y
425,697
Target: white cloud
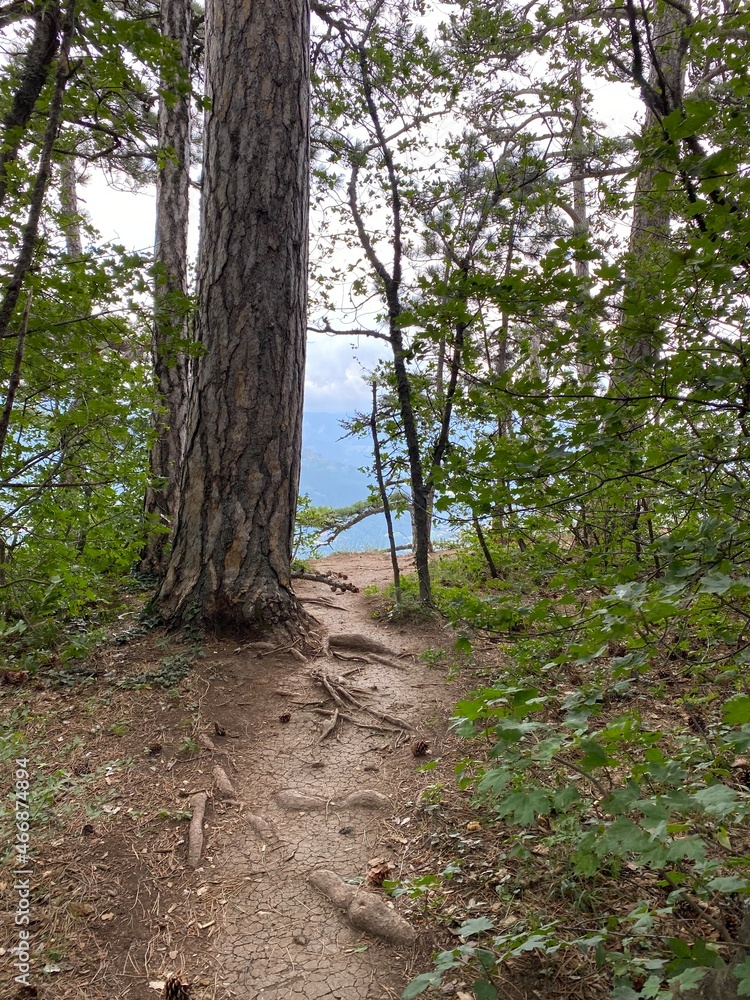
x,y
335,379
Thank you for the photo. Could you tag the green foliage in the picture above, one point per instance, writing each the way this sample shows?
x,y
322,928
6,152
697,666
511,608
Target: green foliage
x,y
72,473
566,752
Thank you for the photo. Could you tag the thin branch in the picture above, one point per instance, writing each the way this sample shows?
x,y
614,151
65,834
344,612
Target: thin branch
x,y
28,239
15,376
387,157
327,328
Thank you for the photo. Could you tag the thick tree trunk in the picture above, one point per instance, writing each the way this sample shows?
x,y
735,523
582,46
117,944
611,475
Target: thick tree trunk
x,y
231,559
170,362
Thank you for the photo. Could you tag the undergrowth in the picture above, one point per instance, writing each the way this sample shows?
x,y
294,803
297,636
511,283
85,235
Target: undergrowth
x,y
610,758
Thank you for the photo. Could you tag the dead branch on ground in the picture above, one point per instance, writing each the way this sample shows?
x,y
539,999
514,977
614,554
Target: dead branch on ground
x,y
336,581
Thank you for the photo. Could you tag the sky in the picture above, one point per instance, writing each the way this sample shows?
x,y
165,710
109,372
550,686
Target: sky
x,y
335,364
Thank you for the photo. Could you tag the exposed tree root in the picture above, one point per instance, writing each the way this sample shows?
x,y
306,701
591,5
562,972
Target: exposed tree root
x,y
223,787
324,603
338,714
364,910
357,643
195,831
342,695
330,726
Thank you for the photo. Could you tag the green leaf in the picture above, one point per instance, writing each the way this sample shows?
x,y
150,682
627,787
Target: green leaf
x,y
715,583
728,883
420,984
716,800
736,711
596,756
742,972
521,807
494,780
484,990
689,979
477,925
652,987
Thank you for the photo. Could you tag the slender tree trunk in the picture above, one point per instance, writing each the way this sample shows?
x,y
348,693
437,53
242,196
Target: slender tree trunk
x,y
420,491
663,44
384,495
392,285
171,329
580,209
69,203
230,563
15,378
34,72
39,189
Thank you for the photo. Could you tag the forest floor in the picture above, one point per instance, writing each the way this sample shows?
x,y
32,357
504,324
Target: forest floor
x,y
117,759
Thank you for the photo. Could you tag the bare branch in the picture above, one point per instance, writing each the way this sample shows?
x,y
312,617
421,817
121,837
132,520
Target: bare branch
x,y
327,328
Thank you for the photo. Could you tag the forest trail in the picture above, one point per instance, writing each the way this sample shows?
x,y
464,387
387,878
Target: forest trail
x,y
312,801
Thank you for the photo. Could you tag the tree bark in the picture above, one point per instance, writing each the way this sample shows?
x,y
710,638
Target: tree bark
x,y
663,45
71,224
230,564
39,58
171,315
384,494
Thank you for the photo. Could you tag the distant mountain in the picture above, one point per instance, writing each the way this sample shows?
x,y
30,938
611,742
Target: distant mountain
x,y
323,434
331,478
329,483
330,464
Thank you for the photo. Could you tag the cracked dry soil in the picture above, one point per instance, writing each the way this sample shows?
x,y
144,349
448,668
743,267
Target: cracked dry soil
x,y
312,806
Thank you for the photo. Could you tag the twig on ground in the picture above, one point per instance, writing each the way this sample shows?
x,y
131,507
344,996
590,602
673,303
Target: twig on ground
x,y
333,580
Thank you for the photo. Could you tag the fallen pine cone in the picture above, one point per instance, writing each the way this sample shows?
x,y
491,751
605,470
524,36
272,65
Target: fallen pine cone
x,y
174,990
421,748
285,717
378,871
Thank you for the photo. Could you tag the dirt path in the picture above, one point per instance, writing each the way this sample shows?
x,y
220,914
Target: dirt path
x,y
283,903
300,813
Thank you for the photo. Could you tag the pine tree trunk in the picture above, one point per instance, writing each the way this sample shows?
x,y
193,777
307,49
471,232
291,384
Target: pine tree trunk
x,y
231,559
170,362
